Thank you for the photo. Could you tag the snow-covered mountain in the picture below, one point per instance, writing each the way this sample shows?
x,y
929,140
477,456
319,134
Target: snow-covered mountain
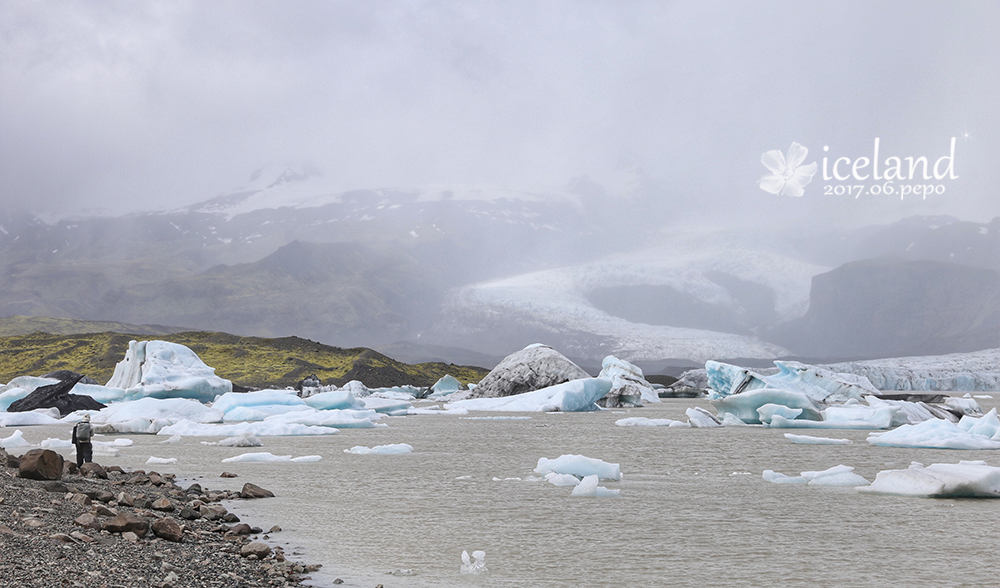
x,y
598,267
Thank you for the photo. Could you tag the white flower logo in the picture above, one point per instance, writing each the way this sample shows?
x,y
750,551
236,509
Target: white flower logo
x,y
787,177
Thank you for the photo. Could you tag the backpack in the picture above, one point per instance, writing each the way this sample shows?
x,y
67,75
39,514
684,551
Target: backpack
x,y
83,433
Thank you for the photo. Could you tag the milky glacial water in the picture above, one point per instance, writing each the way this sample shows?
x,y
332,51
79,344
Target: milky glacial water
x,y
693,510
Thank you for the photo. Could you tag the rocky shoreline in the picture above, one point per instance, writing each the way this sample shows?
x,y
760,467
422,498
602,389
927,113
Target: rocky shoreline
x,y
108,528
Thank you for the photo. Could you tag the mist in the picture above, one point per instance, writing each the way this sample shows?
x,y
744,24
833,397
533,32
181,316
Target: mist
x,y
121,107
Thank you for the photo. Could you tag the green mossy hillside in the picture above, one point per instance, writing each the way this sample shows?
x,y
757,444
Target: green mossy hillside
x,y
253,362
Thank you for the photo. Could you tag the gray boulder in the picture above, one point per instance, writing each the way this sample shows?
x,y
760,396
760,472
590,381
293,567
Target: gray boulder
x,y
532,368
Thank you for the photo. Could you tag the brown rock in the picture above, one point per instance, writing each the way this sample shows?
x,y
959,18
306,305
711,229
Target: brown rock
x,y
257,548
240,529
41,464
62,537
104,496
88,521
101,510
212,512
4,455
82,537
13,462
162,504
56,487
69,468
169,529
93,470
115,469
274,529
188,514
255,491
155,479
130,536
228,475
124,499
128,522
81,499
231,518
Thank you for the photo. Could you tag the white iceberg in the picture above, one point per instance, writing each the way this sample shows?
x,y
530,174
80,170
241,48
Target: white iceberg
x,y
702,419
579,466
10,394
241,440
745,405
186,428
55,443
160,369
840,475
809,440
392,449
942,434
257,457
15,441
25,419
561,479
161,460
389,406
628,386
346,419
476,565
260,398
448,384
966,479
588,487
153,409
572,396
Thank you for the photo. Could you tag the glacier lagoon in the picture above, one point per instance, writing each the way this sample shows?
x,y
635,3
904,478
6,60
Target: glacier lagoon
x,y
693,509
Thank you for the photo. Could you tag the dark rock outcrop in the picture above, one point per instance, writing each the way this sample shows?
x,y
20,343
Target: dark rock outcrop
x,y
532,368
41,464
56,396
69,375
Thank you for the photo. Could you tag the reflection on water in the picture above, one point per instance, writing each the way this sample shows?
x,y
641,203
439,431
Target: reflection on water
x,y
693,510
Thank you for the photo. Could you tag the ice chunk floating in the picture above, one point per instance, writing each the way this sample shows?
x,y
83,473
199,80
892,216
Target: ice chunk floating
x,y
965,479
579,466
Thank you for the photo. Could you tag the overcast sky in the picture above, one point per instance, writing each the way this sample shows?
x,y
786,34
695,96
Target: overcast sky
x,y
150,105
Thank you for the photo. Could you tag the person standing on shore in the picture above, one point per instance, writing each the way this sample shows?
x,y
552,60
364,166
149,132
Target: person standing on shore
x,y
82,433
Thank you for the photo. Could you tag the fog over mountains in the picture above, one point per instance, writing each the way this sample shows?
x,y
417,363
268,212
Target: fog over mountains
x,y
472,273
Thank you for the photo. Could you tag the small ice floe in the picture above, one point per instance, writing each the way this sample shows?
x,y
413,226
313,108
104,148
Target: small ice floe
x,y
497,418
241,440
840,475
701,418
16,440
561,479
393,449
647,422
464,478
579,466
496,479
269,457
54,443
161,460
983,396
475,565
172,440
588,487
965,479
810,440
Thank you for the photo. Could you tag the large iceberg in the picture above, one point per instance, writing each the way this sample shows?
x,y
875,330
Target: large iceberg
x,y
628,386
965,479
24,419
535,367
158,408
572,396
746,405
819,384
334,399
160,369
344,419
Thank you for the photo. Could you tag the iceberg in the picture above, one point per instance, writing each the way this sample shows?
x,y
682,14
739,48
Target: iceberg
x,y
768,412
241,440
232,400
158,408
572,396
744,405
840,475
628,386
161,460
448,384
15,441
186,428
700,418
561,479
10,394
55,443
392,449
387,406
966,479
160,369
334,400
476,565
579,466
25,419
588,487
967,372
942,434
647,422
345,419
808,440
819,384
257,457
